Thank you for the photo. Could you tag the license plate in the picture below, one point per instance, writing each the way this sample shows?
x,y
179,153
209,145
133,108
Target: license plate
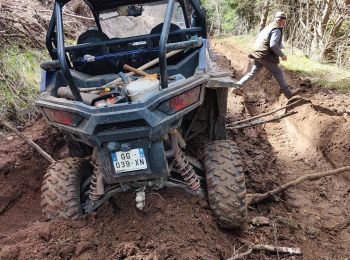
x,y
132,160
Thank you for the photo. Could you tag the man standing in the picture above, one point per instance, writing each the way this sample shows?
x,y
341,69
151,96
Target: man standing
x,y
266,53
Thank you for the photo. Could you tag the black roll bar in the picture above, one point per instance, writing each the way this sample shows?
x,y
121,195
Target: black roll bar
x,y
62,55
60,51
162,44
201,15
127,40
50,32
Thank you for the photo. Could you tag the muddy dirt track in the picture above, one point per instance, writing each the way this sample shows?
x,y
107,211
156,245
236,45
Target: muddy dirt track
x,y
314,216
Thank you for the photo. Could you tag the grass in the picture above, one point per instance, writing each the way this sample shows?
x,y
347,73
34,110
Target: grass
x,y
19,77
245,42
324,75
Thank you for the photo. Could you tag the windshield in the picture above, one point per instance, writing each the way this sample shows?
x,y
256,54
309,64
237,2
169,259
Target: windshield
x,y
117,26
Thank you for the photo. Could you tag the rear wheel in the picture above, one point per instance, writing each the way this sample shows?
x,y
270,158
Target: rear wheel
x,y
226,183
61,190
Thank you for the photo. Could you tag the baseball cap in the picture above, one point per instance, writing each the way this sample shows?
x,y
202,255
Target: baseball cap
x,y
280,15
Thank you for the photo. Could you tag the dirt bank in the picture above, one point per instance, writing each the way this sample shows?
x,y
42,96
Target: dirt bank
x,y
315,139
313,216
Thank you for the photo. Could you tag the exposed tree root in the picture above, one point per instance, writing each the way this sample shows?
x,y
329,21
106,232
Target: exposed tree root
x,y
290,105
261,122
257,197
27,140
269,248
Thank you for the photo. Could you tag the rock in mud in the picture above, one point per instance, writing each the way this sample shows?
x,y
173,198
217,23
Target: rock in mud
x,y
83,247
45,232
306,83
126,249
260,221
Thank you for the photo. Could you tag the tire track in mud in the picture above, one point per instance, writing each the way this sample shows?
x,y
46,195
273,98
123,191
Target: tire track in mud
x,y
313,140
322,206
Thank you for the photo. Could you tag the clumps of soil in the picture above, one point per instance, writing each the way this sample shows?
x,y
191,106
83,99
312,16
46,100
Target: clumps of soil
x,y
21,172
174,225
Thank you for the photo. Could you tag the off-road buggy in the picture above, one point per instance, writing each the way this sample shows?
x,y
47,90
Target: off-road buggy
x,y
128,131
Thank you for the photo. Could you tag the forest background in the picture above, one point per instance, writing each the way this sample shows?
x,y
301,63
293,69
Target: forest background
x,y
320,29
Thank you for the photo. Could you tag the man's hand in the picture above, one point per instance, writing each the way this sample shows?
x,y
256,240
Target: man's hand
x,y
284,57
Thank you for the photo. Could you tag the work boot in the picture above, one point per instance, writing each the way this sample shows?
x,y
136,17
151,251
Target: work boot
x,y
293,93
236,89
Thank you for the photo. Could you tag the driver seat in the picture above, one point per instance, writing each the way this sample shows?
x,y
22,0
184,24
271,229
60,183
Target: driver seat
x,y
97,67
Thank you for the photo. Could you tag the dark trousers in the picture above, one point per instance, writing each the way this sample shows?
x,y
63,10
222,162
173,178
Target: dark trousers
x,y
273,68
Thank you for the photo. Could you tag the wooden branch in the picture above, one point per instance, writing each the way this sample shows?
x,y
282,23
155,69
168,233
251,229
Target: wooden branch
x,y
4,38
71,15
337,6
305,27
261,122
338,24
257,197
325,17
267,113
264,14
26,29
13,35
30,33
17,95
79,16
27,140
268,248
11,8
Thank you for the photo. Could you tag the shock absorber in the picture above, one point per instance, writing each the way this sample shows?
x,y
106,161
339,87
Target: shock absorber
x,y
96,185
186,170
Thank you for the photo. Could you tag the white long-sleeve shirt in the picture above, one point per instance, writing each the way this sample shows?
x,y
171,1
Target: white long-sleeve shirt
x,y
274,43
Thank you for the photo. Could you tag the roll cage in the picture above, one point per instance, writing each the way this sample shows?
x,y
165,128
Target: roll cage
x,y
58,51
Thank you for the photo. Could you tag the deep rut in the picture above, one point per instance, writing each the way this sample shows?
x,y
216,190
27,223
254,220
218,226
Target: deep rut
x,y
316,213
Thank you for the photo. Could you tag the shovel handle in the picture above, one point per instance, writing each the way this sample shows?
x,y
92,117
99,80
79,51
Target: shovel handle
x,y
137,71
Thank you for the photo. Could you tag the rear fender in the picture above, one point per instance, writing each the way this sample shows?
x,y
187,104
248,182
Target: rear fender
x,y
220,82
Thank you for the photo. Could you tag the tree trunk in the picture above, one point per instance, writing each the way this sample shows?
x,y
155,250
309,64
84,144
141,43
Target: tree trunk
x,y
329,53
325,18
264,14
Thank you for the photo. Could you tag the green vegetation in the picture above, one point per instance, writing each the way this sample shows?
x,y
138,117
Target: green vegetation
x,y
245,42
19,77
331,43
325,75
231,16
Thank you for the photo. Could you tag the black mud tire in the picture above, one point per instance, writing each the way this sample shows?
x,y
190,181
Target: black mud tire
x,y
226,183
60,190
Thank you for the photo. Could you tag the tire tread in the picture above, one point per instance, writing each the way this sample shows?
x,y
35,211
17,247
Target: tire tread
x,y
226,183
60,190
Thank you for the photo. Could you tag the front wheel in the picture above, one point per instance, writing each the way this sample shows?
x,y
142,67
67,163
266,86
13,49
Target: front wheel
x,y
226,183
61,194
